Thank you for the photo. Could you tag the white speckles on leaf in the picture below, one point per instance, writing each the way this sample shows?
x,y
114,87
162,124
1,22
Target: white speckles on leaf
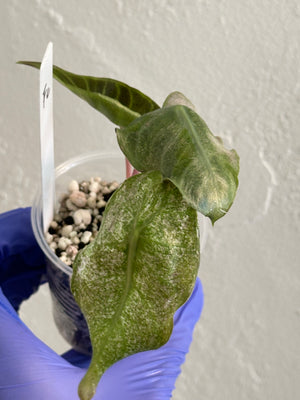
x,y
138,271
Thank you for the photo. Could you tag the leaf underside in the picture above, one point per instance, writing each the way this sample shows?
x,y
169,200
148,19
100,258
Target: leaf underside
x,y
178,143
138,271
119,102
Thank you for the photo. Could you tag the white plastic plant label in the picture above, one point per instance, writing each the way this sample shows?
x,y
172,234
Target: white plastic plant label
x,y
46,136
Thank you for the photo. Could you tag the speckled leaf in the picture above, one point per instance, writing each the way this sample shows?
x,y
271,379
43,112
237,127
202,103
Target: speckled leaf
x,y
139,270
177,142
117,101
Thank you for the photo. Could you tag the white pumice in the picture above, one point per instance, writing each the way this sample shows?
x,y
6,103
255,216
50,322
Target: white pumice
x,y
53,246
66,230
65,259
106,190
101,203
82,215
63,243
73,185
80,209
78,198
75,240
91,202
48,237
114,185
86,237
71,206
95,212
77,217
53,224
81,226
71,251
94,187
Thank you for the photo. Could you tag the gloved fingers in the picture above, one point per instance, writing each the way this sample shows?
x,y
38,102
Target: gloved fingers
x,y
6,306
77,359
29,369
22,265
18,345
185,319
16,339
21,287
17,238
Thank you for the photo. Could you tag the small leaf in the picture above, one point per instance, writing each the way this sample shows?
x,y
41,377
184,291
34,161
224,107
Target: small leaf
x,y
138,271
178,143
119,102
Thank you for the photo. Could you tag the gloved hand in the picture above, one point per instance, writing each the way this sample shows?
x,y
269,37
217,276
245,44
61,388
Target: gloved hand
x,y
30,370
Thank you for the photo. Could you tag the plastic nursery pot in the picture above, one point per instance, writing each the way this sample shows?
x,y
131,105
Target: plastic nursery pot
x,y
67,315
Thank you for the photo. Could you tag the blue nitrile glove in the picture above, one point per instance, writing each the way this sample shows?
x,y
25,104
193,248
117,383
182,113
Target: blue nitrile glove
x,y
30,370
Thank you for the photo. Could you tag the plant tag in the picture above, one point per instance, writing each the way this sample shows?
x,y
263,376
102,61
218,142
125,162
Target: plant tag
x,y
46,136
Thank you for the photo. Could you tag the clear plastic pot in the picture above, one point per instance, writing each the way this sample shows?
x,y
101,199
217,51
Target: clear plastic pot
x,y
67,315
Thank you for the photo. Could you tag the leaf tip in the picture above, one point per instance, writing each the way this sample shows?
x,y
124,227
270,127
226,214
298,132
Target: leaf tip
x,y
177,98
86,392
215,215
34,64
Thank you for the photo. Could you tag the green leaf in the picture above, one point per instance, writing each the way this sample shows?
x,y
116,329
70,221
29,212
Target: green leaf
x,y
138,271
178,143
119,102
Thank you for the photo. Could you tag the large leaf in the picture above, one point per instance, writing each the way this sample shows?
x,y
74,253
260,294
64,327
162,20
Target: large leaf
x,y
177,142
117,101
139,270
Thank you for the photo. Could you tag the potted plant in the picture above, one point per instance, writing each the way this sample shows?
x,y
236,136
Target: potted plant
x,y
143,264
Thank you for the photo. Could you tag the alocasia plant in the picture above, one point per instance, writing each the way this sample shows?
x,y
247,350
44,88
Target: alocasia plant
x,y
143,263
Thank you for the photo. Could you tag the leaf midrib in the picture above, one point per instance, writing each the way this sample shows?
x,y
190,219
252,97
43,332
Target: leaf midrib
x,y
193,131
134,236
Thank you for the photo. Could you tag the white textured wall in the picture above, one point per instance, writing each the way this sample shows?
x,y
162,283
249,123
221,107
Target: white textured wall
x,y
238,61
